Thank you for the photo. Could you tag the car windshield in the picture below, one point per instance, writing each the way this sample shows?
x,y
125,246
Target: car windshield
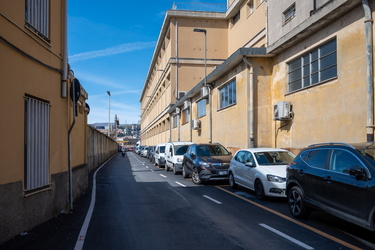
x,y
274,158
180,150
211,150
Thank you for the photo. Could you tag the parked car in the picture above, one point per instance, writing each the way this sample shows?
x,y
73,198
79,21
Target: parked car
x,y
174,153
160,154
205,162
262,170
150,153
336,178
144,151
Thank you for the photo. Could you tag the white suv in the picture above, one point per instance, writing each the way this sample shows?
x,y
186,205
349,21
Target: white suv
x,y
174,153
160,154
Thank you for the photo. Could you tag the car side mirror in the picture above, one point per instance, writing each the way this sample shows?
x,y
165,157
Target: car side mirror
x,y
249,164
357,172
193,155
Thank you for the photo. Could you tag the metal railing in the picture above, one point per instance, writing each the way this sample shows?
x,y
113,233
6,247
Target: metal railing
x,y
197,6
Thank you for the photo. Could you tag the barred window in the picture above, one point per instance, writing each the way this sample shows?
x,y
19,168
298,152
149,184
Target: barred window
x,y
37,17
313,67
201,108
36,143
228,94
290,13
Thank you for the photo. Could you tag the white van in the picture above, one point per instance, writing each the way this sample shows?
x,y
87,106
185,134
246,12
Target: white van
x,y
174,153
160,154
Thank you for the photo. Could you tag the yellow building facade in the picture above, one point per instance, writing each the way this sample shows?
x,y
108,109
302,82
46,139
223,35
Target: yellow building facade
x,y
295,73
44,144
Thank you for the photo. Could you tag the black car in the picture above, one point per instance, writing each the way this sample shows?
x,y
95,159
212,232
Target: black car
x,y
205,162
336,178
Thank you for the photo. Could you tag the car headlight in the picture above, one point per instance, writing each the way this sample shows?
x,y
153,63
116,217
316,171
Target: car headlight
x,y
275,178
205,165
179,160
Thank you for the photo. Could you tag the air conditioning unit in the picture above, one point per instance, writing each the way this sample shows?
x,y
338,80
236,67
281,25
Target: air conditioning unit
x,y
181,94
186,105
196,124
177,111
204,92
282,111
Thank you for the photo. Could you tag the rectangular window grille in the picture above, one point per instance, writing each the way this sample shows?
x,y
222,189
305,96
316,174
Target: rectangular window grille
x,y
201,108
228,95
36,143
37,17
289,13
313,67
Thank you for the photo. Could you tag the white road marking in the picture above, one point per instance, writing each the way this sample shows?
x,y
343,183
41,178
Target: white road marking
x,y
301,244
82,234
163,176
211,199
180,184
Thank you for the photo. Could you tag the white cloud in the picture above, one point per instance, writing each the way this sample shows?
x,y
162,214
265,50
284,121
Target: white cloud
x,y
123,48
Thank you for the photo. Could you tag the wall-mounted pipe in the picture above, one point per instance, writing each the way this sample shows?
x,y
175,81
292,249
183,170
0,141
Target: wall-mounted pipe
x,y
370,71
251,104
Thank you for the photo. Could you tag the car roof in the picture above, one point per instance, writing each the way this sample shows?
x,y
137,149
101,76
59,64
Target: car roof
x,y
256,150
357,145
181,143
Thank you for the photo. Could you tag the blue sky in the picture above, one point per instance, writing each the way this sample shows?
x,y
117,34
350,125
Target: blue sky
x,y
111,44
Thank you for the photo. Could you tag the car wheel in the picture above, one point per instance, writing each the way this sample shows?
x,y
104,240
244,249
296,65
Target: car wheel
x,y
184,174
259,190
232,182
195,177
296,203
174,169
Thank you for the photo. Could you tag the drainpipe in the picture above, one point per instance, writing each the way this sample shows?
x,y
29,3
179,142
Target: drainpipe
x,y
176,34
64,84
70,172
251,104
370,72
64,94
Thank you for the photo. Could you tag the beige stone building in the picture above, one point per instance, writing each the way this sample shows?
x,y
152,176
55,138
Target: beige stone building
x,y
288,74
44,144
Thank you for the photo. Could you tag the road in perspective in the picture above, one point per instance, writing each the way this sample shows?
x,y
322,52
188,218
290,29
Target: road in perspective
x,y
141,206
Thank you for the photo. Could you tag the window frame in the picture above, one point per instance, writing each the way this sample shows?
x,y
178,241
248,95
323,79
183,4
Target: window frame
x,y
37,17
36,143
289,13
225,100
201,108
308,69
175,121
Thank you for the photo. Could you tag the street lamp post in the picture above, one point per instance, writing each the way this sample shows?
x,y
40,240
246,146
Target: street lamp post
x,y
109,113
205,80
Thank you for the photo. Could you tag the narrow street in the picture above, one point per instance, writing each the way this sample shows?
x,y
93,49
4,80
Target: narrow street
x,y
140,206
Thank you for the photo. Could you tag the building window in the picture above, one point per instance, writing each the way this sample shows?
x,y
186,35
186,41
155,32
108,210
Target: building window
x,y
175,121
313,67
185,116
36,143
228,94
250,7
289,13
201,108
37,17
236,17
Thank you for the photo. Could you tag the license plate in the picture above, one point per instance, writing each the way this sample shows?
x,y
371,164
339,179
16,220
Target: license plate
x,y
222,172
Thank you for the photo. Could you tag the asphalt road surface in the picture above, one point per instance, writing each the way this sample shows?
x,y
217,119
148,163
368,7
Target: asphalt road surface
x,y
133,204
